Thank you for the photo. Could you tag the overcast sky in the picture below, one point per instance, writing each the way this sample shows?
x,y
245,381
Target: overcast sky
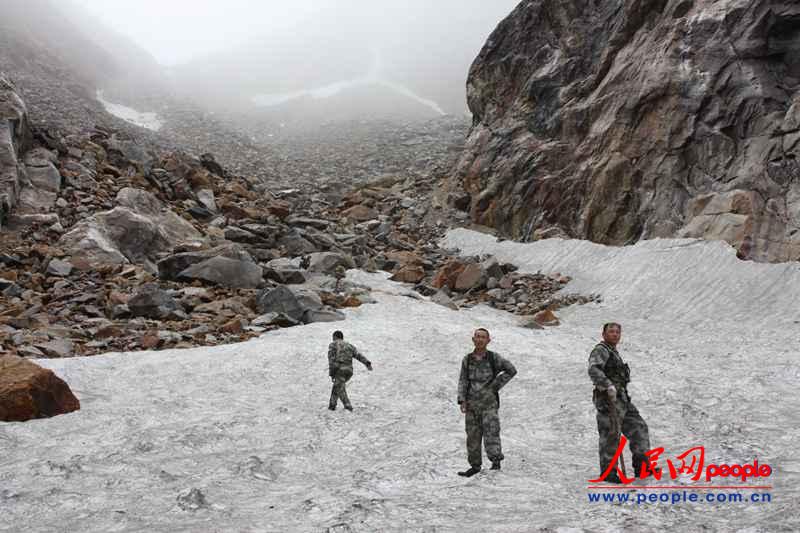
x,y
175,31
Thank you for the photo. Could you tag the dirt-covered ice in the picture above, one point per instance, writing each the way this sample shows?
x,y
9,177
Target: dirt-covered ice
x,y
238,437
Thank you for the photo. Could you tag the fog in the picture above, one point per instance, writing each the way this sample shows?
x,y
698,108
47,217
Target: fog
x,y
409,57
177,31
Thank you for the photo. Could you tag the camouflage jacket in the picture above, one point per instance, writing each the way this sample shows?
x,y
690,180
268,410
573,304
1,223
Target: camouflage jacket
x,y
607,368
340,357
478,383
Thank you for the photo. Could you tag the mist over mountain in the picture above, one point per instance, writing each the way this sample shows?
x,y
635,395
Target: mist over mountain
x,y
59,56
333,61
408,54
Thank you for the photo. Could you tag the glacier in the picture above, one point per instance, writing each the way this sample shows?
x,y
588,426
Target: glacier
x,y
238,437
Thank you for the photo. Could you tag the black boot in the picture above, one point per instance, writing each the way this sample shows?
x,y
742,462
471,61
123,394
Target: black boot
x,y
613,477
332,407
471,472
495,465
640,461
348,407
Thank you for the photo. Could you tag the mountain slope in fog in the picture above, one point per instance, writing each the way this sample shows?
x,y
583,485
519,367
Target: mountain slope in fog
x,y
59,56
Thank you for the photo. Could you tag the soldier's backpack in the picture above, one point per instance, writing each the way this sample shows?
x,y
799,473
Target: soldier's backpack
x,y
493,363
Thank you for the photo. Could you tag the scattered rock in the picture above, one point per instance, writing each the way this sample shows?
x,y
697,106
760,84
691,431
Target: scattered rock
x,y
192,500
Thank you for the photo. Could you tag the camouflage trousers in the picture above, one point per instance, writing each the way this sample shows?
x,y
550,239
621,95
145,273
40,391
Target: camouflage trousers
x,y
339,392
483,425
633,427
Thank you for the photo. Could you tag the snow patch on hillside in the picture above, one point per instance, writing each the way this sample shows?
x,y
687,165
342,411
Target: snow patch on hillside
x,y
148,120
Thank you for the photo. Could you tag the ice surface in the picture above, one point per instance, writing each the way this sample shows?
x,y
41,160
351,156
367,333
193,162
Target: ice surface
x,y
238,437
146,120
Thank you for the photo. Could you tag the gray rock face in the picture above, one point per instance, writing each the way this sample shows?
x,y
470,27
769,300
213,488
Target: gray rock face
x,y
15,138
231,273
617,121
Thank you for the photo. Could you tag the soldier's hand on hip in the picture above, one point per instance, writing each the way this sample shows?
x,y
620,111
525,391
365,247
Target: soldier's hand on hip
x,y
611,391
463,407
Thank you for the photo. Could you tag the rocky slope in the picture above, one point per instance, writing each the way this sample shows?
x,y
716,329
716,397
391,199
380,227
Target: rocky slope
x,y
107,244
625,120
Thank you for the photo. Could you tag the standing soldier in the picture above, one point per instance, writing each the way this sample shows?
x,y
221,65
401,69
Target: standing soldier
x,y
340,368
483,373
339,273
611,376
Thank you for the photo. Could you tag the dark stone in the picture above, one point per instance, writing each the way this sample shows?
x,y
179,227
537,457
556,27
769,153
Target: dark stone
x,y
225,272
151,301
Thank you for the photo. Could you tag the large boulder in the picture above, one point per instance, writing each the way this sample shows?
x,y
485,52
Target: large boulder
x,y
174,228
138,231
615,121
117,236
226,272
294,303
28,391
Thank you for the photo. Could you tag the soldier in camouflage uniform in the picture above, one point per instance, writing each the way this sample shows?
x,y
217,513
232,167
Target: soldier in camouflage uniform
x,y
611,376
483,373
340,368
339,273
